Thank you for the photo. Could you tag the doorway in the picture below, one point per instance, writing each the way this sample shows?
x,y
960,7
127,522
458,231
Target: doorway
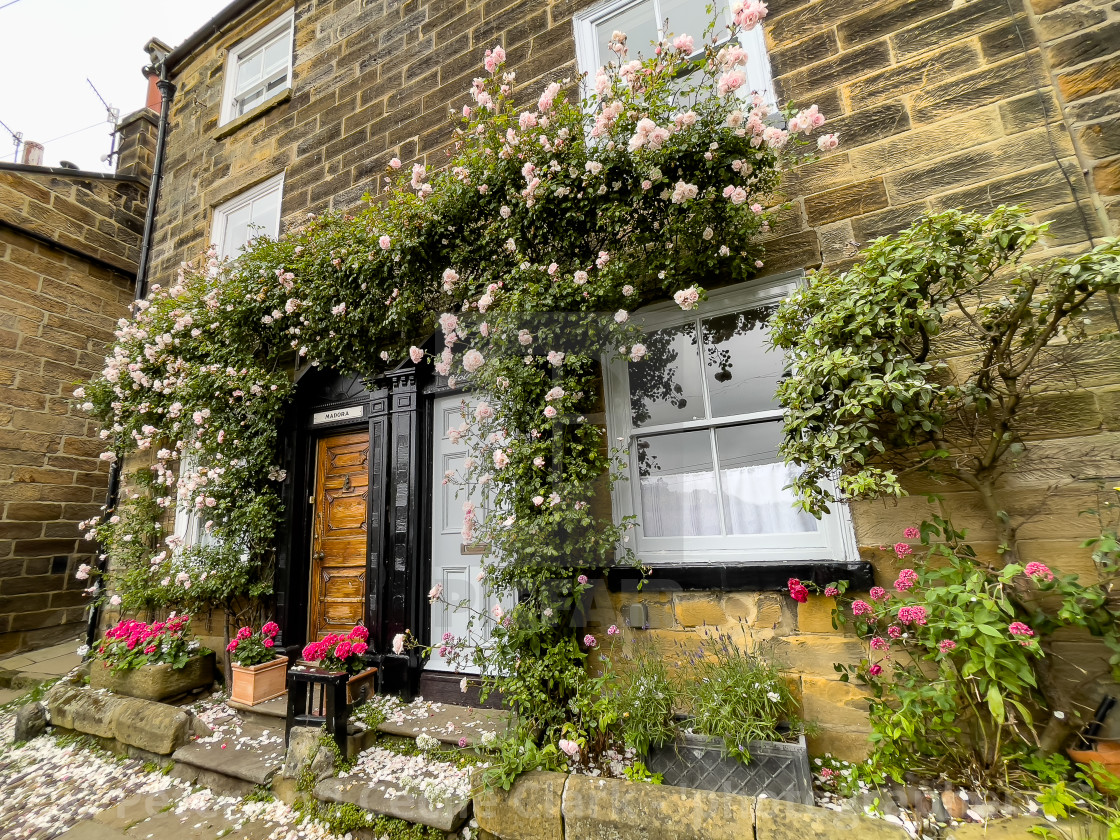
x,y
339,534
456,563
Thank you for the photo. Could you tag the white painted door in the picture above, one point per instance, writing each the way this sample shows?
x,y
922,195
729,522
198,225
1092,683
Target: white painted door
x,y
456,563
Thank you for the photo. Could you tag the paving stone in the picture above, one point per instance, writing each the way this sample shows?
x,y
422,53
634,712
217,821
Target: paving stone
x,y
449,723
383,799
134,809
90,830
7,695
256,768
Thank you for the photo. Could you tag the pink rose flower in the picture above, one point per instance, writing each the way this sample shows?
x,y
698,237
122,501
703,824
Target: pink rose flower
x,y
1038,571
875,670
911,533
878,593
947,645
590,641
797,590
903,549
1018,628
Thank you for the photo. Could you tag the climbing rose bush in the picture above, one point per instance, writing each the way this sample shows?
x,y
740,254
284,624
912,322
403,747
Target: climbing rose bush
x,y
554,220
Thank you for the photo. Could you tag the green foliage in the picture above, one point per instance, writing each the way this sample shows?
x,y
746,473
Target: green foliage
x,y
638,772
873,398
647,699
740,697
347,819
957,656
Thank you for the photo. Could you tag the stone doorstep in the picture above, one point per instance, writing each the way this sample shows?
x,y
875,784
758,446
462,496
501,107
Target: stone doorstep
x,y
376,798
470,723
270,714
247,765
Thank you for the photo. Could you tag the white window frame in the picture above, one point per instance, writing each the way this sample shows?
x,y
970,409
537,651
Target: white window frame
x,y
834,540
241,52
759,77
241,200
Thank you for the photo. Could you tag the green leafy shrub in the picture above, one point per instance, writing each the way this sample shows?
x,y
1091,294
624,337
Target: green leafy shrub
x,y
648,698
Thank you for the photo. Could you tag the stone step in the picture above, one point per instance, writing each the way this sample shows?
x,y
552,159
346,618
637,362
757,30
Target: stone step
x,y
239,756
446,723
90,830
382,798
269,713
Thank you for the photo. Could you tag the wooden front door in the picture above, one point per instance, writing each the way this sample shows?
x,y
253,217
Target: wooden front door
x,y
339,535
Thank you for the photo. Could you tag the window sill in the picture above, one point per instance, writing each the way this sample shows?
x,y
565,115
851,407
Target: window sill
x,y
748,577
234,125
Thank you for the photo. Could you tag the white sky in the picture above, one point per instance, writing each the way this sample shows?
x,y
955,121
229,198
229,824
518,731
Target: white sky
x,y
49,47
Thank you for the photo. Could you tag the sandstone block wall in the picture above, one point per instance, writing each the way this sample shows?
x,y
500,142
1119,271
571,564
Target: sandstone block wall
x,y
66,272
938,104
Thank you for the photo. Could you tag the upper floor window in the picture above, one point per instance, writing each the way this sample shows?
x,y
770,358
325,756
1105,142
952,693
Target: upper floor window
x,y
699,418
646,21
259,68
253,213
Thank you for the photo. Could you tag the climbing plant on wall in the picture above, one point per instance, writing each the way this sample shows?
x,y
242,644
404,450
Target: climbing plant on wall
x,y
525,256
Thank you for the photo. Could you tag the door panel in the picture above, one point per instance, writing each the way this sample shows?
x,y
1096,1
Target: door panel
x,y
339,540
454,564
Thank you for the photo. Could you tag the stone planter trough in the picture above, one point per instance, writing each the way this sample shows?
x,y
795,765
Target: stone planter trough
x,y
777,769
253,684
155,682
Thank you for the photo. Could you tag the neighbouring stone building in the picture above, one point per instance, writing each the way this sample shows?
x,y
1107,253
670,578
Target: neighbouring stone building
x,y
69,243
288,108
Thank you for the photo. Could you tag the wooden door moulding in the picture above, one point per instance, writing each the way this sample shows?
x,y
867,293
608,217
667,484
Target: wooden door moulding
x,y
339,533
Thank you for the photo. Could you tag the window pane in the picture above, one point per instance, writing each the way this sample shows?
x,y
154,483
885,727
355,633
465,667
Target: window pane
x,y
752,477
276,54
665,386
249,70
638,23
266,215
678,485
236,232
688,17
741,367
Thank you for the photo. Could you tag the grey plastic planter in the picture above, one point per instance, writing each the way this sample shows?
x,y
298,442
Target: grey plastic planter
x,y
777,770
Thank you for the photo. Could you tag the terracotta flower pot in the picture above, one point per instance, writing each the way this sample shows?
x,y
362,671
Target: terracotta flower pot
x,y
155,682
253,684
1107,755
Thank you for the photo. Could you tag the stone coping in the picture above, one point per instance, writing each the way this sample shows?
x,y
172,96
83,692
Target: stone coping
x,y
557,806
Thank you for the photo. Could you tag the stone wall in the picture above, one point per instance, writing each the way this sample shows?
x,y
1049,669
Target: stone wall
x,y
67,248
938,104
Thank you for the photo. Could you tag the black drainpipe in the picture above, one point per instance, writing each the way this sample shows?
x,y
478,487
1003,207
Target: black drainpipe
x,y
112,496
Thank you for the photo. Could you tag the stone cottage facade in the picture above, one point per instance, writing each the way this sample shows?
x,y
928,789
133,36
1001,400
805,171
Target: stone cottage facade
x,y
69,243
283,109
